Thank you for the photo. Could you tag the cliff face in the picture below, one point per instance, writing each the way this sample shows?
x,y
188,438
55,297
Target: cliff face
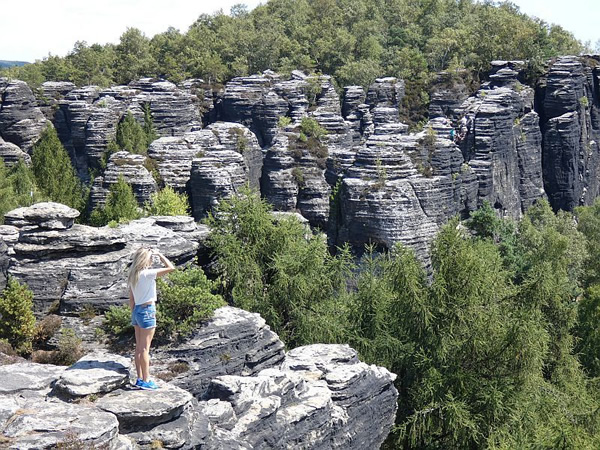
x,y
368,179
568,102
239,390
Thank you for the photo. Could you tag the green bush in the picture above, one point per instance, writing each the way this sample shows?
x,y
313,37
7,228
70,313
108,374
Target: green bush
x,y
284,121
69,348
121,205
131,135
311,128
184,299
17,322
117,321
167,202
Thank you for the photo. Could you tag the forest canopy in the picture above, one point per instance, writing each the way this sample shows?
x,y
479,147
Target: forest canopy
x,y
353,40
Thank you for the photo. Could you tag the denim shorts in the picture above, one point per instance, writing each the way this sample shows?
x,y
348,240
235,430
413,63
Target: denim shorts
x,y
144,316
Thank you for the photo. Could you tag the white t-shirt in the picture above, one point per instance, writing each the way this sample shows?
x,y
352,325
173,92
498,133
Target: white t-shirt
x,y
145,290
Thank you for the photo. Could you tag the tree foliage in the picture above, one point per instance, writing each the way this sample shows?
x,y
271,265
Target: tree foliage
x,y
17,322
17,187
121,205
277,267
167,202
353,40
53,171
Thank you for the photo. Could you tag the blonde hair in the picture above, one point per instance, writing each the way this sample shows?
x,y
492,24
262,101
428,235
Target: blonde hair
x,y
142,259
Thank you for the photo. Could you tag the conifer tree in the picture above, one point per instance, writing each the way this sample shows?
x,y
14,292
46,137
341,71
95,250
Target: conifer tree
x,y
149,129
53,171
121,205
131,136
17,322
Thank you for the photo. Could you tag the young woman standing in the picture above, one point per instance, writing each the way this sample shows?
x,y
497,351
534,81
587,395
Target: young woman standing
x,y
141,285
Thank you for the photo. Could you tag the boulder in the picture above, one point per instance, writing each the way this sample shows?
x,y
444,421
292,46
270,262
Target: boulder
x,y
46,425
94,373
51,216
139,409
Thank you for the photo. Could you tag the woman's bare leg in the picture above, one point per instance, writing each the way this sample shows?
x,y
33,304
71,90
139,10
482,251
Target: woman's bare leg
x,y
146,335
138,364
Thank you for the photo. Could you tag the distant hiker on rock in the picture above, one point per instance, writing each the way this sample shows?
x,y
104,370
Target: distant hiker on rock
x,y
141,285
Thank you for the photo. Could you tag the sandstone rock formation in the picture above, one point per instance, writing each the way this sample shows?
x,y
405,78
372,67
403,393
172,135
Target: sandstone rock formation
x,y
76,264
570,121
317,397
21,120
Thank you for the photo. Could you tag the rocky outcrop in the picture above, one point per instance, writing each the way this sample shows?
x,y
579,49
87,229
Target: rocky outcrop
x,y
568,100
245,346
21,120
227,157
88,117
318,397
75,264
502,143
321,389
11,154
132,169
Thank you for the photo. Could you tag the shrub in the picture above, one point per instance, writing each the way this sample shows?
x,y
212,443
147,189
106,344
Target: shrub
x,y
310,127
168,203
121,205
117,321
131,136
298,176
45,329
184,299
17,322
284,121
69,348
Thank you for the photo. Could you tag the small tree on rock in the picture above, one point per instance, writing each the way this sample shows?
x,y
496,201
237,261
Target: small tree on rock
x,y
17,322
120,206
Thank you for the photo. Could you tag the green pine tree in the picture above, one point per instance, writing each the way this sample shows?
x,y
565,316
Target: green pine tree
x,y
121,205
53,171
17,322
131,136
149,129
167,202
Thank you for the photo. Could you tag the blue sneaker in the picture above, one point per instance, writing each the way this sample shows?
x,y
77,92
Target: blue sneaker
x,y
138,383
148,385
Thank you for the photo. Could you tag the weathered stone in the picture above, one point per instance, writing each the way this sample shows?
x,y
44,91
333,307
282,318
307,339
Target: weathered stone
x,y
136,408
28,376
571,131
233,341
46,425
21,121
88,265
12,154
95,373
50,215
322,397
131,168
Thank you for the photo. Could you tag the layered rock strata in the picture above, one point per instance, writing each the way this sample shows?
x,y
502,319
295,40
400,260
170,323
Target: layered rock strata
x,y
568,99
21,120
130,167
318,397
75,265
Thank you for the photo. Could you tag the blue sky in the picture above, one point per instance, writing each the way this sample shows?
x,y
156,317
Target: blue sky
x,y
30,29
